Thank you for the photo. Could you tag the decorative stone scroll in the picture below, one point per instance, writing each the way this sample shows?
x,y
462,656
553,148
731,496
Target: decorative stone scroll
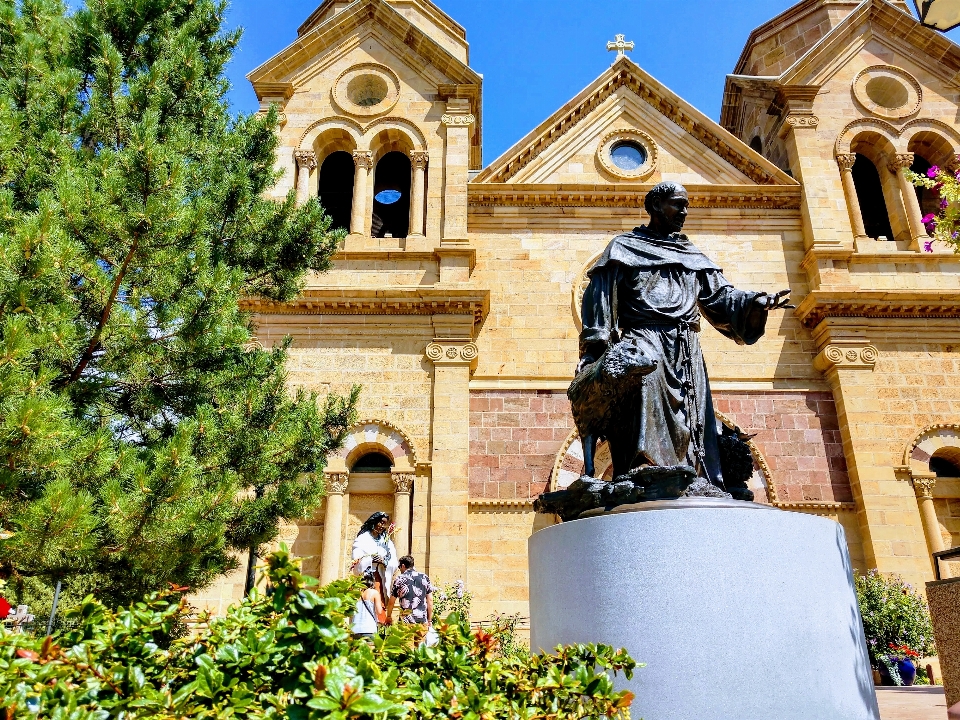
x,y
837,356
899,161
846,160
798,122
452,352
458,120
923,486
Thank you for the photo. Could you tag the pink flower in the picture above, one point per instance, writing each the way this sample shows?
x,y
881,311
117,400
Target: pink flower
x,y
928,218
932,171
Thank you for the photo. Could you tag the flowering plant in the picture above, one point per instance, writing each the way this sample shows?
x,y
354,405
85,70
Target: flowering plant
x,y
903,652
944,225
893,616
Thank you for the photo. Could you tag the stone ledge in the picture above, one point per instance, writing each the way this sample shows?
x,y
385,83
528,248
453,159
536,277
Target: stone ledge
x,y
500,505
820,507
821,304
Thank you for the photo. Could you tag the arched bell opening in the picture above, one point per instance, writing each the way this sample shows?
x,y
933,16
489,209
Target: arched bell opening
x,y
391,196
335,188
873,206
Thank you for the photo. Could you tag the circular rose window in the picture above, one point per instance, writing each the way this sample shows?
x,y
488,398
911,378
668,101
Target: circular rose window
x,y
366,90
628,154
887,91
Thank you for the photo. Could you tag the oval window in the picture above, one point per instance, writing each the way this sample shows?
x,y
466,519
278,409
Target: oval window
x,y
628,155
367,90
887,92
387,197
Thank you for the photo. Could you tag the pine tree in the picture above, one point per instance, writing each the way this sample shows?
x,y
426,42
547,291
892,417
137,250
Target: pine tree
x,y
144,439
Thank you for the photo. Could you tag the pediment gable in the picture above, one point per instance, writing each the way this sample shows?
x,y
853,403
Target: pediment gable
x,y
303,58
692,147
875,20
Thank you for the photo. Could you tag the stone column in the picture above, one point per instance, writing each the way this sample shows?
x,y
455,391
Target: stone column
x,y
452,355
457,121
887,514
846,161
332,528
306,162
363,161
908,195
923,487
403,486
418,159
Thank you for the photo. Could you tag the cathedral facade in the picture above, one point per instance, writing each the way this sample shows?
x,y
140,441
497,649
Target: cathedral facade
x,y
455,298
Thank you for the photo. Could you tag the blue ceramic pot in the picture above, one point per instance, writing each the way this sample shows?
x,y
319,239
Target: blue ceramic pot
x,y
908,671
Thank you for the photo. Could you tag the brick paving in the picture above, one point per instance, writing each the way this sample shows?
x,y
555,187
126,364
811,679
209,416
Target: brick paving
x,y
921,702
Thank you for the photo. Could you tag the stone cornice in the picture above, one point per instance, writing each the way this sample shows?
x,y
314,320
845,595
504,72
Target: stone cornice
x,y
817,507
625,73
500,505
629,195
820,304
369,301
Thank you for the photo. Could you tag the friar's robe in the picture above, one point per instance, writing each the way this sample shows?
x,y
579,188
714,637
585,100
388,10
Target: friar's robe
x,y
654,290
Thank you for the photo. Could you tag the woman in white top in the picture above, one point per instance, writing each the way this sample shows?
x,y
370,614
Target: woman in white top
x,y
373,549
370,611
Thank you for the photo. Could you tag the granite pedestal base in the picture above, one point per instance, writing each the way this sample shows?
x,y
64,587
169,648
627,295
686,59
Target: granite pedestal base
x,y
738,610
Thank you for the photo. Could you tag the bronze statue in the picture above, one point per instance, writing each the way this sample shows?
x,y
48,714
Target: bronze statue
x,y
641,383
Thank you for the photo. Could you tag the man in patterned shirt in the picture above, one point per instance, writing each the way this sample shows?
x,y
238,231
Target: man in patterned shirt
x,y
413,590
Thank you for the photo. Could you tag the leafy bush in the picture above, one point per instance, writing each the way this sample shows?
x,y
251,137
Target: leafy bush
x,y
892,614
289,654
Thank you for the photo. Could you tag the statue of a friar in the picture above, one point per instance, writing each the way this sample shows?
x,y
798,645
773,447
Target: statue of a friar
x,y
641,382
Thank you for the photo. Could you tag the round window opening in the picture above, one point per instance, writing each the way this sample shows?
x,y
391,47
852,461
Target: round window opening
x,y
887,92
367,90
628,155
387,197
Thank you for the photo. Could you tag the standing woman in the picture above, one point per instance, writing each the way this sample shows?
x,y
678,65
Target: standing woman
x,y
373,549
369,615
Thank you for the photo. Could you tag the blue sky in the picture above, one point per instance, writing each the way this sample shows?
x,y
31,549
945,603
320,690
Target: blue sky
x,y
535,55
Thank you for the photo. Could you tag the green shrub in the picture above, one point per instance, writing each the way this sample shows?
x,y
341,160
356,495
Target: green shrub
x,y
288,654
892,614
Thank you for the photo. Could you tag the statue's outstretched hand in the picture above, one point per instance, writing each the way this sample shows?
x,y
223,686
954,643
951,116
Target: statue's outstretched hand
x,y
776,301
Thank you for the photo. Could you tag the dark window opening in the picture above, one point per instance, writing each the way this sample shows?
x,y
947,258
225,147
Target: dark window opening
x,y
928,198
336,188
944,467
391,196
757,144
373,462
873,208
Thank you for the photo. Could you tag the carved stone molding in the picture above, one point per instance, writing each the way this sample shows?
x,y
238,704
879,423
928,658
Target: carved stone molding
x,y
923,486
419,159
306,158
337,483
798,122
402,482
448,353
458,120
846,160
845,356
363,158
900,160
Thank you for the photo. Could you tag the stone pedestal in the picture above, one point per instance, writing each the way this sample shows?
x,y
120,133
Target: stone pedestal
x,y
738,610
944,599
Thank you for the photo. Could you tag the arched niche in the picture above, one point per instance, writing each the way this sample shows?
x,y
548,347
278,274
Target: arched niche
x,y
374,435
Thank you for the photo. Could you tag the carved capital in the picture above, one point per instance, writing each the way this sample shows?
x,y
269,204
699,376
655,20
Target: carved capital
x,y
402,482
846,356
337,483
900,160
846,160
306,159
419,159
923,486
452,353
363,158
458,120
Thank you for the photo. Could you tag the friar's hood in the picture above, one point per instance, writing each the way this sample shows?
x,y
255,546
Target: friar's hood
x,y
645,250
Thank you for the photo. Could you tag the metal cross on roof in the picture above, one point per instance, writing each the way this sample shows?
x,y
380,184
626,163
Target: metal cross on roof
x,y
620,45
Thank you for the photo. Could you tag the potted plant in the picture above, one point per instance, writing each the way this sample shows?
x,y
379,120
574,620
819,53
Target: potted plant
x,y
895,621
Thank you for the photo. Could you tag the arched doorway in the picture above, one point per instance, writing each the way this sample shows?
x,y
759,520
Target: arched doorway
x,y
335,188
391,196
